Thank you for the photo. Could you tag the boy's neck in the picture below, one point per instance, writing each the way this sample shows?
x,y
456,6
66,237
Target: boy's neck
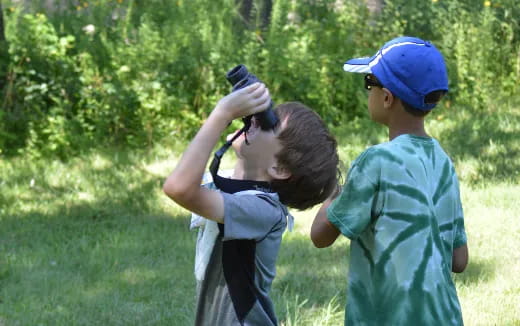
x,y
394,132
243,171
403,123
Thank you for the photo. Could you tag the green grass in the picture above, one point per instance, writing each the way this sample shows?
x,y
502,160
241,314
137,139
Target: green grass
x,y
93,241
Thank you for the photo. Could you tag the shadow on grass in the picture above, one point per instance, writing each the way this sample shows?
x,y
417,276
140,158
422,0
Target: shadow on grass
x,y
118,258
119,269
477,271
486,143
309,278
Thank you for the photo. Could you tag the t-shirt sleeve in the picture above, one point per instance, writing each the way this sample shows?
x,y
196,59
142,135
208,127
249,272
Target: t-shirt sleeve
x,y
251,217
460,238
460,234
351,211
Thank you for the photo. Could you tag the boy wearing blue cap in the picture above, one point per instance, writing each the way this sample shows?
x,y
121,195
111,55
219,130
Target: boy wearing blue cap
x,y
400,204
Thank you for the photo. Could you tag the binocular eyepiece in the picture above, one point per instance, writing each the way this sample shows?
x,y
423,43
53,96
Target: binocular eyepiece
x,y
239,78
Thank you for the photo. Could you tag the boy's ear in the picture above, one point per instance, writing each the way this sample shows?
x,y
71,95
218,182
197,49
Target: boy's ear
x,y
278,172
388,99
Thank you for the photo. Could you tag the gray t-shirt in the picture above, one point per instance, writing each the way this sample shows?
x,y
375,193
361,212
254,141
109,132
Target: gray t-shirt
x,y
241,269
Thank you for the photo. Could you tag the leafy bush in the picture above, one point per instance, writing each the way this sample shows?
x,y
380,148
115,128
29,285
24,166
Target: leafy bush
x,y
132,73
479,41
41,95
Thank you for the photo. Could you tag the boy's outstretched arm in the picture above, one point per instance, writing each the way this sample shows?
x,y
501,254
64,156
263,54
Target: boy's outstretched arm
x,y
323,233
459,261
183,184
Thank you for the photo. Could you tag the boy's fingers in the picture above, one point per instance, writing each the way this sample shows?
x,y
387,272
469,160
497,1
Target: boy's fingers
x,y
259,96
256,89
263,101
266,97
251,88
261,92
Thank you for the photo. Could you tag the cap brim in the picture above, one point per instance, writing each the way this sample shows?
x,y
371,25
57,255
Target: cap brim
x,y
358,65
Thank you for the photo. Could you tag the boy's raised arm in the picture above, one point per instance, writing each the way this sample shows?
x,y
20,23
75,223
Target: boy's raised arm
x,y
323,233
183,184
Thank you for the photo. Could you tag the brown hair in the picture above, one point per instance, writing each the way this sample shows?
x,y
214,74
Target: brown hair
x,y
310,153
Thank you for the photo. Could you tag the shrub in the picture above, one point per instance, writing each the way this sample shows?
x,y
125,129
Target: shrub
x,y
132,73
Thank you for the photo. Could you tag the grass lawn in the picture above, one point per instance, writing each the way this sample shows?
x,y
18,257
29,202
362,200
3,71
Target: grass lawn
x,y
93,241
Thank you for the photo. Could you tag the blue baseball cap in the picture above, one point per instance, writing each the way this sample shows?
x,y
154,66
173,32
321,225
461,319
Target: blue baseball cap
x,y
409,67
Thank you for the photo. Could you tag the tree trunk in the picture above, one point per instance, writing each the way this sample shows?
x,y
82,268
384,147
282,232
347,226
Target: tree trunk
x,y
265,13
244,7
375,6
4,53
2,31
264,8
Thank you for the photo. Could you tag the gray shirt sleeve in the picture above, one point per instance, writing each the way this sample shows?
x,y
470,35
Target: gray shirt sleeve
x,y
251,217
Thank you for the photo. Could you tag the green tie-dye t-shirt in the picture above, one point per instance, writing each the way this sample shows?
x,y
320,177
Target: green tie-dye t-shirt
x,y
401,208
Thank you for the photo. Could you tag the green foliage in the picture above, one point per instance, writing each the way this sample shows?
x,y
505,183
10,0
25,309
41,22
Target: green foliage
x,y
304,52
134,73
42,88
481,52
479,41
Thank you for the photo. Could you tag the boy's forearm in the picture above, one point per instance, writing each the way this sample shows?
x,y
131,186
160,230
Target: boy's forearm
x,y
186,177
323,233
183,184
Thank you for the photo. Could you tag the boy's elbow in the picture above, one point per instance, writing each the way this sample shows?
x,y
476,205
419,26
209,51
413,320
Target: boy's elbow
x,y
168,189
323,233
459,266
320,241
175,190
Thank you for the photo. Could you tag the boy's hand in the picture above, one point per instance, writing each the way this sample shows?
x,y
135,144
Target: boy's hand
x,y
244,102
183,184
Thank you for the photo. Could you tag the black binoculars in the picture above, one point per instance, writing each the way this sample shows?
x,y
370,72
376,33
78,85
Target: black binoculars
x,y
239,77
